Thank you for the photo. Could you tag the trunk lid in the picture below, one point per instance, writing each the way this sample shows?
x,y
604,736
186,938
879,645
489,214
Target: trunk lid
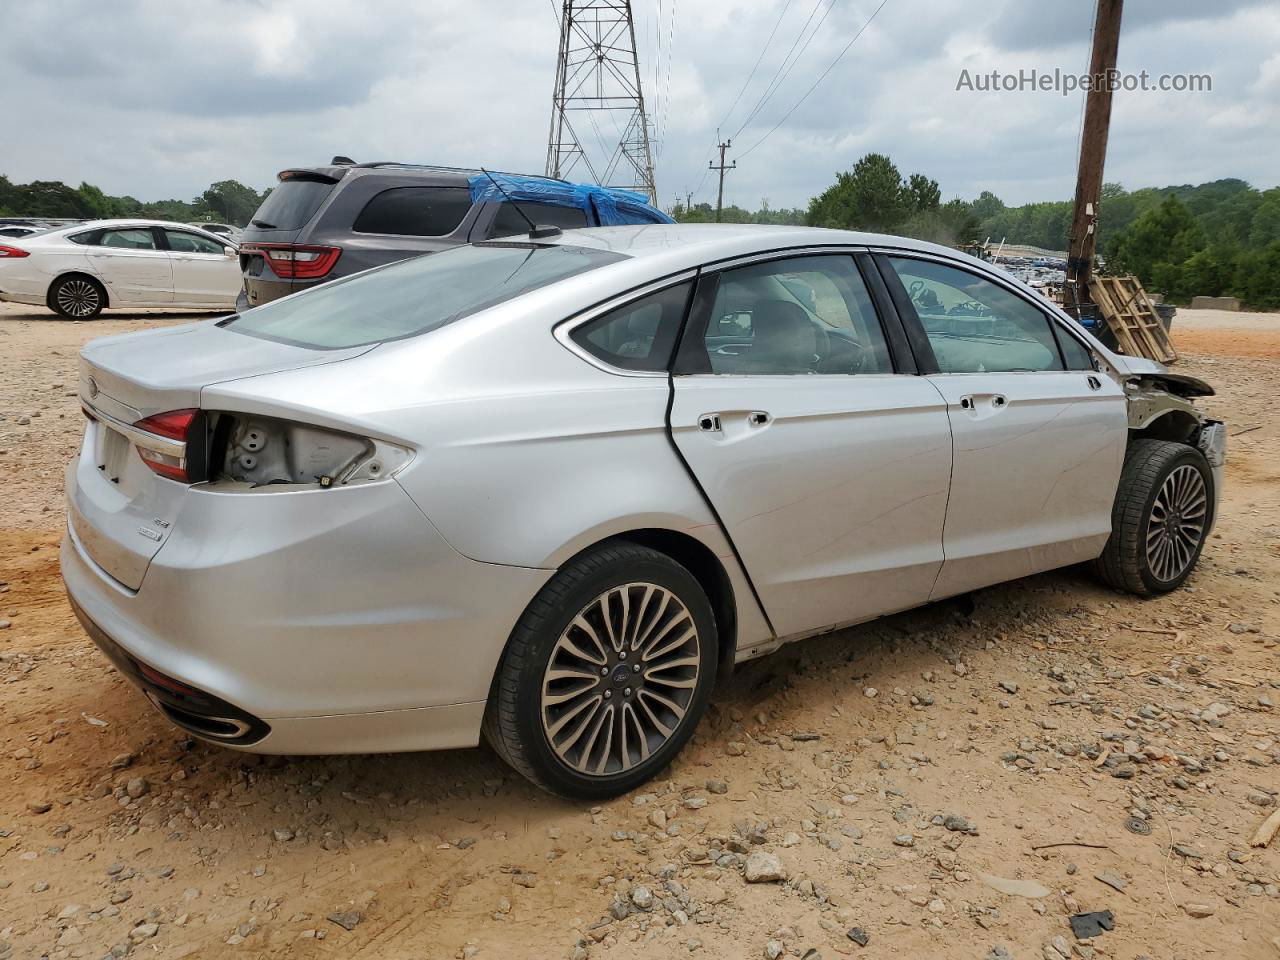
x,y
120,512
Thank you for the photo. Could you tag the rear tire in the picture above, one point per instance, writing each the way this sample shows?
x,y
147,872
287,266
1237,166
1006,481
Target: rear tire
x,y
606,674
1162,515
77,297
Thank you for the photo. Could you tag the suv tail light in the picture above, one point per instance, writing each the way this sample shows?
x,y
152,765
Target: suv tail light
x,y
6,251
171,444
295,261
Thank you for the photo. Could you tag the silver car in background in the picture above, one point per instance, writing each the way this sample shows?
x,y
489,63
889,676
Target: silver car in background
x,y
552,488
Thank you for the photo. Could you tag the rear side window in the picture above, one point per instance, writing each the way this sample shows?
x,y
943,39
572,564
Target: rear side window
x,y
640,335
415,296
509,223
415,211
291,204
139,238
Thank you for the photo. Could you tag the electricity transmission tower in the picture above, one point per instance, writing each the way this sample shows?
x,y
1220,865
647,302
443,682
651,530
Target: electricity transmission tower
x,y
597,88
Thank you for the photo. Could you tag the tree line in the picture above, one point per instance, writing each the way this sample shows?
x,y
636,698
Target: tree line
x,y
227,201
1214,239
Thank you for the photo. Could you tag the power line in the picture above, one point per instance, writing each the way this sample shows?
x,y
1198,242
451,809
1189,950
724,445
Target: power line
x,y
666,92
756,66
787,64
805,96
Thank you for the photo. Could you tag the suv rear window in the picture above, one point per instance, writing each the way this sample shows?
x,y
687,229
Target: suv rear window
x,y
415,211
291,204
414,296
509,223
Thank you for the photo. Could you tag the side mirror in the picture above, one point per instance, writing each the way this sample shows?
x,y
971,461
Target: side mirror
x,y
231,252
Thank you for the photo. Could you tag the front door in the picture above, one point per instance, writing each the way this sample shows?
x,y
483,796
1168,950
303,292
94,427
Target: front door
x,y
203,273
828,468
133,267
1039,433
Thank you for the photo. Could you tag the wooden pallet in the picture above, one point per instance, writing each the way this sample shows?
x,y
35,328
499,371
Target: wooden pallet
x,y
1132,318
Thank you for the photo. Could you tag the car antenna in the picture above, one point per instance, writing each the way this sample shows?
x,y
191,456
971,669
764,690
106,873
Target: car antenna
x,y
535,232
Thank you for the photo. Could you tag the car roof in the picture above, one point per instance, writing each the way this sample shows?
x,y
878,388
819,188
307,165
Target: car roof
x,y
707,242
124,222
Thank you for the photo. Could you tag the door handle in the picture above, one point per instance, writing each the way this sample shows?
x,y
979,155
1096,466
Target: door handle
x,y
1094,383
969,401
758,418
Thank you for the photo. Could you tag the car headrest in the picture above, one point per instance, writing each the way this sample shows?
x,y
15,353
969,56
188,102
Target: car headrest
x,y
782,335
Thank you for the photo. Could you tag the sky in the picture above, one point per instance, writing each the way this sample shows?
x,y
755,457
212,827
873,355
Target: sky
x,y
158,99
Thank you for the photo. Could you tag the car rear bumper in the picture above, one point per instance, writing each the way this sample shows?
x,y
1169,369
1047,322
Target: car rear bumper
x,y
324,621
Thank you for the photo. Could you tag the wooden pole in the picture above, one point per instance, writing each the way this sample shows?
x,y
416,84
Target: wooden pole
x,y
1083,237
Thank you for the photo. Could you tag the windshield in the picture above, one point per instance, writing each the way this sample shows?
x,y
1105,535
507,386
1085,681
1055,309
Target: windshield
x,y
414,296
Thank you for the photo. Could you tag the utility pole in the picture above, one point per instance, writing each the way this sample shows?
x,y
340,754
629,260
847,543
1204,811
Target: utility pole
x,y
722,168
688,200
1083,238
598,80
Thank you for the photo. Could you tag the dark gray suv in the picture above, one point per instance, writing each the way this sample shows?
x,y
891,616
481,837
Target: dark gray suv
x,y
322,223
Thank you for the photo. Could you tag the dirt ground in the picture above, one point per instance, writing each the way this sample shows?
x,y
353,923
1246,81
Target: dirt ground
x,y
943,783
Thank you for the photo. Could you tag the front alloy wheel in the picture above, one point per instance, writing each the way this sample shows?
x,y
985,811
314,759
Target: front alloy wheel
x,y
606,673
1162,514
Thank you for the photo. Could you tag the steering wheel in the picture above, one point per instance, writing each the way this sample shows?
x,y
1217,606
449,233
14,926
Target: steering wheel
x,y
915,288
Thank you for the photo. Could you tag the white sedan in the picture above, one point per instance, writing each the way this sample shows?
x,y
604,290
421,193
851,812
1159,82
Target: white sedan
x,y
80,270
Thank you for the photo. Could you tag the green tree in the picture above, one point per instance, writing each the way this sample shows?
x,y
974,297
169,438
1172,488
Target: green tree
x,y
987,205
228,201
1159,241
922,193
871,196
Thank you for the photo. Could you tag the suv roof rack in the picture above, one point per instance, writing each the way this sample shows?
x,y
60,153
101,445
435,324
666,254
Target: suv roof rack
x,y
440,166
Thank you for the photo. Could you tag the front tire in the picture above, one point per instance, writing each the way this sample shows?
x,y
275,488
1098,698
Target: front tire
x,y
606,674
1162,515
77,297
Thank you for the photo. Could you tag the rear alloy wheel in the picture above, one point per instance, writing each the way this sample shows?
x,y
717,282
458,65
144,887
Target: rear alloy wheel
x,y
606,674
77,298
1162,515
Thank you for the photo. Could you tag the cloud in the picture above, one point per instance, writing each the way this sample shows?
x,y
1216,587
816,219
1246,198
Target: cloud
x,y
159,99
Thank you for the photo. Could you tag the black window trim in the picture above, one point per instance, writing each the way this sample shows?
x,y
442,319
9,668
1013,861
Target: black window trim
x,y
563,330
689,360
415,236
920,338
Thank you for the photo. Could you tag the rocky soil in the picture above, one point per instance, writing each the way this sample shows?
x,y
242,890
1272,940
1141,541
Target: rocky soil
x,y
947,783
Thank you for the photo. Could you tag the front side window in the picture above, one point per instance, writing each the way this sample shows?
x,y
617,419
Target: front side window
x,y
181,242
974,325
509,223
1075,353
415,211
804,315
640,335
139,238
415,296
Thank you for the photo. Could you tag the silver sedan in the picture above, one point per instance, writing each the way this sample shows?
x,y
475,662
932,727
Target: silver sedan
x,y
551,488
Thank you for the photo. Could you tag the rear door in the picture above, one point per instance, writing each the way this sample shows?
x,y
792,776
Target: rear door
x,y
1039,433
132,264
826,458
203,271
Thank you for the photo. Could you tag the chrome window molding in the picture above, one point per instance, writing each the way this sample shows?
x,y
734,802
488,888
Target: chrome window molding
x,y
565,328
787,254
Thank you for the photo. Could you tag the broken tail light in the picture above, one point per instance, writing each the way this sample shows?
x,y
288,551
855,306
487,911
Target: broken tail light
x,y
172,444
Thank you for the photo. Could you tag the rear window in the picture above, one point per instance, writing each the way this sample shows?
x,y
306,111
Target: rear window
x,y
509,223
414,296
415,211
291,204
